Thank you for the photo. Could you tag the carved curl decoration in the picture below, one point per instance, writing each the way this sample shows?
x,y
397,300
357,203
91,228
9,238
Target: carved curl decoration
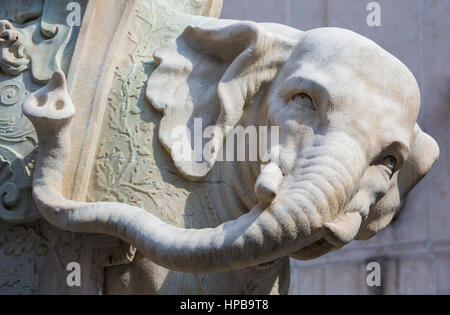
x,y
13,59
11,92
15,195
34,35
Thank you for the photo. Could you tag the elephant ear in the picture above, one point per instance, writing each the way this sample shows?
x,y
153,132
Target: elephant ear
x,y
424,153
211,72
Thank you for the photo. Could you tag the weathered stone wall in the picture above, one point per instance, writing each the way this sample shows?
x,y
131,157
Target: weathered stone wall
x,y
414,252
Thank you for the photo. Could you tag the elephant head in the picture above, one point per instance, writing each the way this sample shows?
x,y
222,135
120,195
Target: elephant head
x,y
349,150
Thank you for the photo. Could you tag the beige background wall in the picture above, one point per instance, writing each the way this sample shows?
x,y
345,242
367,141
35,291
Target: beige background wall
x,y
414,252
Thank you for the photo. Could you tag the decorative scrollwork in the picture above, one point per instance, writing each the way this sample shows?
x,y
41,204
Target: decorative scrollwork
x,y
16,127
15,192
34,42
11,92
13,59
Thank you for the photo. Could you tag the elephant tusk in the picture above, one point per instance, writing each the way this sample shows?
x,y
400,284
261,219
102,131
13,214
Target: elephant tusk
x,y
268,183
343,230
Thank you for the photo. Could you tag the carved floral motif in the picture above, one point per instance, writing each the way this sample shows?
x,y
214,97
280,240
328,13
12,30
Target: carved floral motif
x,y
25,248
127,168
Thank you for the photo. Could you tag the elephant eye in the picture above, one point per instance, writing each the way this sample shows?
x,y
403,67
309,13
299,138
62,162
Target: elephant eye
x,y
304,100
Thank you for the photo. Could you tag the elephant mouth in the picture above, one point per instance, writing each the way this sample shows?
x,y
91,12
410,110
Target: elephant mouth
x,y
332,236
314,250
266,189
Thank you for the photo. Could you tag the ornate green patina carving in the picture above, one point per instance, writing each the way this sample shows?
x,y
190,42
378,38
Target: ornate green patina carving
x,y
35,41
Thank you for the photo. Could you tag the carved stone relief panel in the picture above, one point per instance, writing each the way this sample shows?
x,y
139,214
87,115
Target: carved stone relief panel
x,y
35,41
17,154
128,166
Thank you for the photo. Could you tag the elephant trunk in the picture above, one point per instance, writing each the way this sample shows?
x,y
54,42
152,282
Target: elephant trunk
x,y
314,193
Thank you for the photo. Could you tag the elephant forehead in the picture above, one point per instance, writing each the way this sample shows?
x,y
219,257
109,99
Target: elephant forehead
x,y
351,65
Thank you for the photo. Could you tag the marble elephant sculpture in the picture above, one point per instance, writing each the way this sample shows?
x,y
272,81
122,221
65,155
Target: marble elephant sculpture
x,y
349,151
